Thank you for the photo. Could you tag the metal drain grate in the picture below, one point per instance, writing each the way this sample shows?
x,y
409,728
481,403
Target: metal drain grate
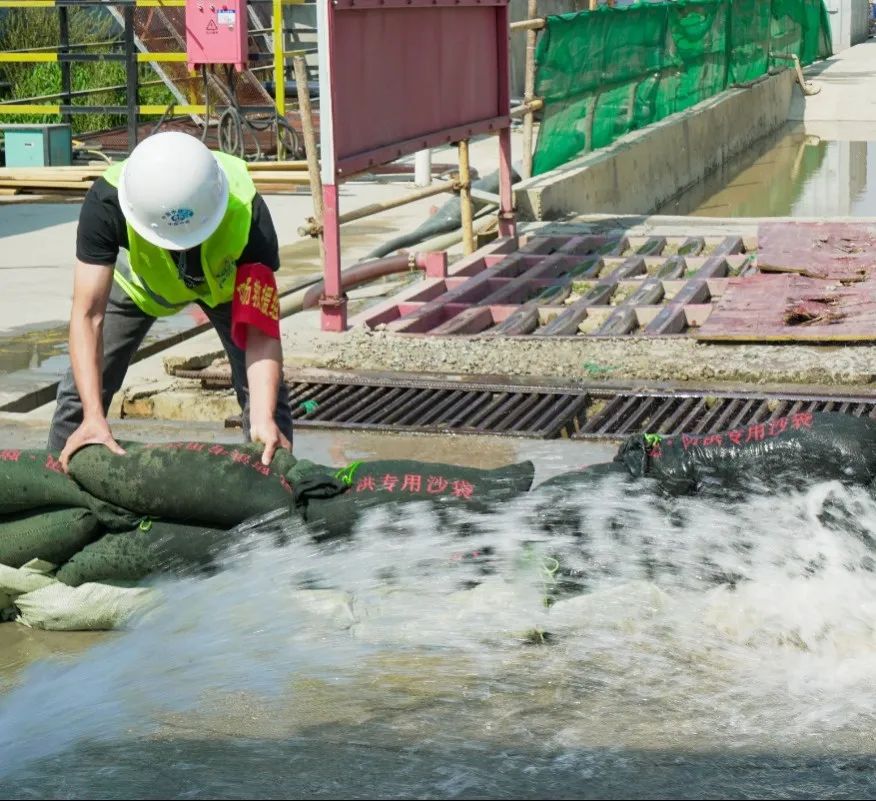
x,y
488,406
468,408
619,414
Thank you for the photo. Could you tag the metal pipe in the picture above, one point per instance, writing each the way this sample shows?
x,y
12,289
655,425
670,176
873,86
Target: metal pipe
x,y
807,87
523,108
507,222
66,81
465,206
529,24
366,271
529,92
279,73
376,208
131,77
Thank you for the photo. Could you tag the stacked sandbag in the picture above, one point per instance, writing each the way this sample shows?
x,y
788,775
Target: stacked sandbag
x,y
787,451
50,534
397,481
43,513
152,547
197,483
90,607
571,484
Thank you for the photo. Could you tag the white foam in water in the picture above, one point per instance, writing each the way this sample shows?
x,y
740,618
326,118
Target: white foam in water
x,y
697,624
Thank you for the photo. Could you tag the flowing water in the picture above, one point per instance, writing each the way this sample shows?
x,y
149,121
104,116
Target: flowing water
x,y
605,643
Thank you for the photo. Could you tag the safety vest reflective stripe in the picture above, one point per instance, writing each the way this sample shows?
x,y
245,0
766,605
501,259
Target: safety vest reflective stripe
x,y
125,276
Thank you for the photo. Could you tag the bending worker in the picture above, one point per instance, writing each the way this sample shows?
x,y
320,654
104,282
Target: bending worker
x,y
173,224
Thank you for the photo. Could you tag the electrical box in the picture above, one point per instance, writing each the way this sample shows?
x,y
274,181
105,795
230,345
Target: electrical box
x,y
37,145
216,33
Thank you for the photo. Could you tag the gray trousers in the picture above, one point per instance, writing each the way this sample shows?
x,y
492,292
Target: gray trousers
x,y
124,328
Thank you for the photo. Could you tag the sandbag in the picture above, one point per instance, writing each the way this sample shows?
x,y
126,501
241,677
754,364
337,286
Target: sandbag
x,y
91,607
53,535
580,480
34,479
186,482
786,451
400,480
157,547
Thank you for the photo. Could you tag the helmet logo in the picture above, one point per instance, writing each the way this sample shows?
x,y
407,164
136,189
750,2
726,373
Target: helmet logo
x,y
176,217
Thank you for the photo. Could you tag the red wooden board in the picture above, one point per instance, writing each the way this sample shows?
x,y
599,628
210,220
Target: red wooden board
x,y
841,251
789,308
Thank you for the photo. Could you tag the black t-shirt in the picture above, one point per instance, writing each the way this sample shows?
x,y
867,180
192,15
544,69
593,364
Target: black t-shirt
x,y
102,232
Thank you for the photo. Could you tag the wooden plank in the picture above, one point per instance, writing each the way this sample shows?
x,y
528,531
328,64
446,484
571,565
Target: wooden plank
x,y
792,308
838,251
81,185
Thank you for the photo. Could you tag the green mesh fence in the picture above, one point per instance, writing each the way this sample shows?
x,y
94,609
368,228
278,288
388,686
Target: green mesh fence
x,y
604,73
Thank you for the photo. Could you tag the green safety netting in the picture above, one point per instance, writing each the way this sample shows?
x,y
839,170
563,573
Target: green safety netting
x,y
606,72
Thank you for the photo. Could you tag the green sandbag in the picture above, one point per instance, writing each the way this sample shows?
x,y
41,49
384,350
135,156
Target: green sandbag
x,y
305,469
134,555
213,484
33,479
283,462
50,534
574,483
396,481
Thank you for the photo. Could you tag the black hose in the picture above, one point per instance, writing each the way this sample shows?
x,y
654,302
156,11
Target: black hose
x,y
447,218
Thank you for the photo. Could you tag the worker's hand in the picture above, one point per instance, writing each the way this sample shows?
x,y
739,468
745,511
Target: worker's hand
x,y
91,432
268,433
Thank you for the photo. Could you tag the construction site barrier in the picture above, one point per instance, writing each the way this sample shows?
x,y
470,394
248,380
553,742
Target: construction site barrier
x,y
604,73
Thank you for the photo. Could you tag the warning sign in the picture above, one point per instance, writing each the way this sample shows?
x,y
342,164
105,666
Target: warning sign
x,y
212,27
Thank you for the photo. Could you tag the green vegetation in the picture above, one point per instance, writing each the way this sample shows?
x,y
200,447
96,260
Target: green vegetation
x,y
39,29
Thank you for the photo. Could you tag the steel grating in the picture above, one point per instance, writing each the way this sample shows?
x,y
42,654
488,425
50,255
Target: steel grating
x,y
620,413
595,285
493,407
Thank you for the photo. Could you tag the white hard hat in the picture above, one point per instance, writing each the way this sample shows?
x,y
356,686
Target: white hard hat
x,y
172,191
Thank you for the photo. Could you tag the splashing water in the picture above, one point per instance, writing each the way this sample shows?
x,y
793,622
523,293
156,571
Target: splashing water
x,y
560,642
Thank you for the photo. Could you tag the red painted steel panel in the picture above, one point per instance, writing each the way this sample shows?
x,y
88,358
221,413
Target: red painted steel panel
x,y
792,308
841,251
408,78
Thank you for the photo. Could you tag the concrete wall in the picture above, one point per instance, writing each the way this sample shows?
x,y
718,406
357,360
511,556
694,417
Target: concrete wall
x,y
644,169
849,22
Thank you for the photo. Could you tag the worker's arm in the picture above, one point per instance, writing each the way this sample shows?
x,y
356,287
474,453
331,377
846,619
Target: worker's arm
x,y
91,288
264,371
255,328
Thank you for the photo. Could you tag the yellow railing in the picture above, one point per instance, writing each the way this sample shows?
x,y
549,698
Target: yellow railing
x,y
19,109
47,108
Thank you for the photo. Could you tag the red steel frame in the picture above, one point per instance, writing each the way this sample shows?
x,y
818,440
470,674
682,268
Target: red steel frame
x,y
398,76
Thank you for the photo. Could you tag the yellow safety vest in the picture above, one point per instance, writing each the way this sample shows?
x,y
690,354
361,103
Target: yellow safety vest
x,y
149,275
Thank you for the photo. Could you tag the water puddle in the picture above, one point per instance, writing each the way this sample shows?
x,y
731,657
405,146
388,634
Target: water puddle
x,y
797,172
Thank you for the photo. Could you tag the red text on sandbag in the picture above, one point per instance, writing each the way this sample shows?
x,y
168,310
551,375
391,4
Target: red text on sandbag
x,y
756,432
413,483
